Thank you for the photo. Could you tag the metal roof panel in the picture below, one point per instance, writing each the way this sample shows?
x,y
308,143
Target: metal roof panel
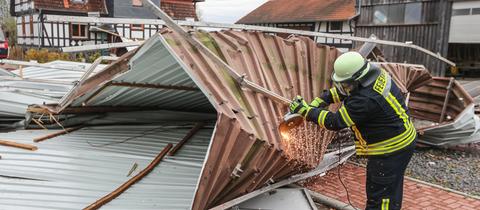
x,y
76,169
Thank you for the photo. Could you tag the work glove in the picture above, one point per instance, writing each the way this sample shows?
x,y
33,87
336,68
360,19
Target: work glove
x,y
318,103
299,106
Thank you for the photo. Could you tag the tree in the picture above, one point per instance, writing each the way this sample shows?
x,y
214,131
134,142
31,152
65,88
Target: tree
x,y
10,29
4,10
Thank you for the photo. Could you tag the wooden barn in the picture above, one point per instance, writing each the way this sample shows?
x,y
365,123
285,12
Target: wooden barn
x,y
51,23
433,24
328,16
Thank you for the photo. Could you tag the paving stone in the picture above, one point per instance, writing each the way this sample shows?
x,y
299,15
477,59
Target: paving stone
x,y
417,196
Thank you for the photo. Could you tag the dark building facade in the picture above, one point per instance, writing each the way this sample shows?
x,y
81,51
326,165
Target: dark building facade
x,y
425,23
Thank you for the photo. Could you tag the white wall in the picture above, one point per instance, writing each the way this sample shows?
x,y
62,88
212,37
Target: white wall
x,y
322,27
22,7
51,30
465,28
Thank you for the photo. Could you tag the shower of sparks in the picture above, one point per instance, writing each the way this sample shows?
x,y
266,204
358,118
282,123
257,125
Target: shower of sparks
x,y
306,143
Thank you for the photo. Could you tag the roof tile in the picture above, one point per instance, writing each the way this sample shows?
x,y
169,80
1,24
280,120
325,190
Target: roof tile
x,y
287,11
60,5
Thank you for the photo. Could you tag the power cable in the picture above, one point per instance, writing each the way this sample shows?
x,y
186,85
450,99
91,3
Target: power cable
x,y
340,176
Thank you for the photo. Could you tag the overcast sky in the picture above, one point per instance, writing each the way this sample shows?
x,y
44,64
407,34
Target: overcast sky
x,y
227,11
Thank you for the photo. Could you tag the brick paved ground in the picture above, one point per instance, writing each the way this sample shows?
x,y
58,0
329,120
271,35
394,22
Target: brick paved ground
x,y
416,195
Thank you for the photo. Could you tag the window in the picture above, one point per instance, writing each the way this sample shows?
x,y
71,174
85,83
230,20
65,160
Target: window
x,y
458,12
408,13
380,14
476,11
396,13
78,31
413,13
336,26
31,25
137,3
136,27
23,25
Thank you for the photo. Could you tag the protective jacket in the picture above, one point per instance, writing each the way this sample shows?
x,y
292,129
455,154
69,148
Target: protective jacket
x,y
375,111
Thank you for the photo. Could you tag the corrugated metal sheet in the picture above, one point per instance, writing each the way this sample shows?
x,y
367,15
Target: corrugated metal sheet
x,y
153,64
472,88
464,129
247,151
76,169
4,72
57,74
408,77
280,199
131,118
48,86
252,149
426,102
460,124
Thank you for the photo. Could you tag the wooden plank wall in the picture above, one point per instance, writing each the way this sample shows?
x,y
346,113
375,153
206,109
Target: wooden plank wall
x,y
431,34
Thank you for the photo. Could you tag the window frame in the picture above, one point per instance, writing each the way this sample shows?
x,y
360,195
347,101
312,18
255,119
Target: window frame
x,y
23,26
137,27
397,14
332,23
380,15
454,11
418,9
79,25
31,25
475,11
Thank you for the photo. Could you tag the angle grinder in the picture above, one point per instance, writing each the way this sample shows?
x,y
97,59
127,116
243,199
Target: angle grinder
x,y
290,120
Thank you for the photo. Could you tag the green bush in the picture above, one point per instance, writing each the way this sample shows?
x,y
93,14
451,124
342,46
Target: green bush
x,y
44,55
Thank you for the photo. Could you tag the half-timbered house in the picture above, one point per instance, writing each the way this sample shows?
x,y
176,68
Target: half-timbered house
x,y
52,23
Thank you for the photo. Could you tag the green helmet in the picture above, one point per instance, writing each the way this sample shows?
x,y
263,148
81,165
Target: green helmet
x,y
350,66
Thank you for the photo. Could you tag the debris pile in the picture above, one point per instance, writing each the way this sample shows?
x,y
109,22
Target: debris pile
x,y
164,88
35,84
166,73
444,113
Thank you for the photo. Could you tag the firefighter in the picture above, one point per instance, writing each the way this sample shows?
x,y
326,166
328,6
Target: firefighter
x,y
374,108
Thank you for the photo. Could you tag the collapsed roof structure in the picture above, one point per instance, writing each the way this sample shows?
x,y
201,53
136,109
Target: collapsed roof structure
x,y
246,151
36,84
445,113
157,95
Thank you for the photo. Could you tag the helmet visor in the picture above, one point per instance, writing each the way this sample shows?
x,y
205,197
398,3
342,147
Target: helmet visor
x,y
344,87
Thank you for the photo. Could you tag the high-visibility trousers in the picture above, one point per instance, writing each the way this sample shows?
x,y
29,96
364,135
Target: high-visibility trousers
x,y
385,180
